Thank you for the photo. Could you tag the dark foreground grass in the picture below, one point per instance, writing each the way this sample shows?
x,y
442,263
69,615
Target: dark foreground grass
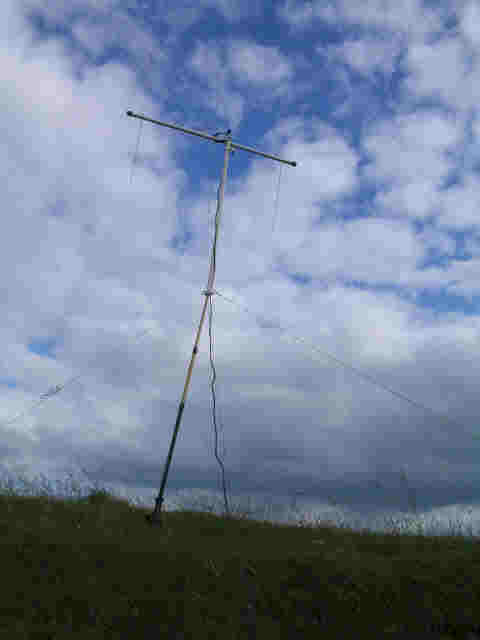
x,y
91,567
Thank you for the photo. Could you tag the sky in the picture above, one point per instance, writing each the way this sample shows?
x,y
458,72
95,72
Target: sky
x,y
346,354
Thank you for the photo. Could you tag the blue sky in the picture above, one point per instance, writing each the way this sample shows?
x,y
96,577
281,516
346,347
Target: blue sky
x,y
372,254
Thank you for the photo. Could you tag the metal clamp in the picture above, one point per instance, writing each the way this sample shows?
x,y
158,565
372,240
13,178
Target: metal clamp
x,y
223,136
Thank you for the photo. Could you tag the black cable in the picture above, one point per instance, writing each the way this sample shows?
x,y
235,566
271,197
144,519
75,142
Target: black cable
x,y
214,377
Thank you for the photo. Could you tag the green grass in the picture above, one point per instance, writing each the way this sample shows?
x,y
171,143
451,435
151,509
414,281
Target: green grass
x,y
91,567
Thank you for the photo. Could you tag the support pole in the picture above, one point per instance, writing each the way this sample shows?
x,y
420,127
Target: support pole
x,y
156,516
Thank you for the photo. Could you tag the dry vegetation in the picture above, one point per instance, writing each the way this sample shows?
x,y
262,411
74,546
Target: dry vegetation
x,y
91,567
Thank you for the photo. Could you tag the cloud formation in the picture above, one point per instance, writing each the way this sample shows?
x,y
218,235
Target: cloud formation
x,y
367,250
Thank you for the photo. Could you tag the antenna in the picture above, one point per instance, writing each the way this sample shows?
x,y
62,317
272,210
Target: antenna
x,y
226,139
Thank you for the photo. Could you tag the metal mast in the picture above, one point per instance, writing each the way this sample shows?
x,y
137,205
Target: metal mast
x,y
156,516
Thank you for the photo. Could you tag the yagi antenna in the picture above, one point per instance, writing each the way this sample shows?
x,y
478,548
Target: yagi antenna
x,y
226,139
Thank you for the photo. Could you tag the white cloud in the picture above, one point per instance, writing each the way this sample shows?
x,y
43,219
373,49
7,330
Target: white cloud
x,y
470,22
296,14
57,10
97,26
434,239
441,70
409,17
366,55
180,15
208,62
409,159
373,250
93,264
98,34
326,169
258,64
233,10
226,67
460,204
179,18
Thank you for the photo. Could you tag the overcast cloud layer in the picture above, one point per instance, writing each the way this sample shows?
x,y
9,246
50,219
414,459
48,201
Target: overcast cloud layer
x,y
370,253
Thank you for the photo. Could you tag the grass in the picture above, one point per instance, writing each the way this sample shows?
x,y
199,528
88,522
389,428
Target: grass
x,y
91,567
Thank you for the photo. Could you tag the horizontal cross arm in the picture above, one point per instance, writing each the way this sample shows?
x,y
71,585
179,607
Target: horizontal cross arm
x,y
207,136
175,126
261,153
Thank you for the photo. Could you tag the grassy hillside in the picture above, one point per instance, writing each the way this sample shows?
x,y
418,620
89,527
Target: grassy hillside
x,y
91,567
